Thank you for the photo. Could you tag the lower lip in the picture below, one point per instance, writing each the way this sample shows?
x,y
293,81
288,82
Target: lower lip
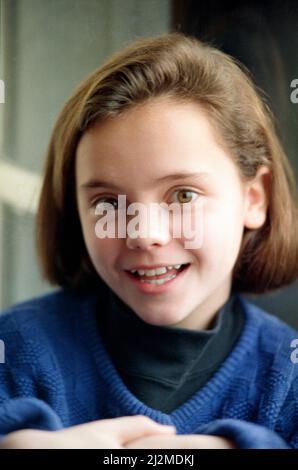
x,y
147,288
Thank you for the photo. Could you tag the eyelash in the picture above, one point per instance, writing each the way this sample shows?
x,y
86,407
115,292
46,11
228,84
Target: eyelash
x,y
109,198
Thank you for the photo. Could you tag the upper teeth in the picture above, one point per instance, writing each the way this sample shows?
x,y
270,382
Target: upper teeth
x,y
155,272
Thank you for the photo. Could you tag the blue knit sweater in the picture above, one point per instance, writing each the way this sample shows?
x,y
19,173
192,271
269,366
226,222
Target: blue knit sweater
x,y
57,373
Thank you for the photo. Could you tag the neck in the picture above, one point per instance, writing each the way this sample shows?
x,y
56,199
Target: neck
x,y
202,318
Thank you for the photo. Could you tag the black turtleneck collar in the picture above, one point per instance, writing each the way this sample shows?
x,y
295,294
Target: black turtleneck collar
x,y
164,366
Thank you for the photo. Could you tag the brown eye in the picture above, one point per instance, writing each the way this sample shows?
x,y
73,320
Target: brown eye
x,y
185,196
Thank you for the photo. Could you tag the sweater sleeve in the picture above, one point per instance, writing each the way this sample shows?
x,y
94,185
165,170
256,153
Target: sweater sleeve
x,y
282,433
21,391
27,413
244,434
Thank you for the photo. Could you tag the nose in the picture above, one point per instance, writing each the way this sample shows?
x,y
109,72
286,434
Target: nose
x,y
152,231
144,243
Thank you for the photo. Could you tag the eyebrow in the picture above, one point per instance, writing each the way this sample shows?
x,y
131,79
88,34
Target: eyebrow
x,y
93,183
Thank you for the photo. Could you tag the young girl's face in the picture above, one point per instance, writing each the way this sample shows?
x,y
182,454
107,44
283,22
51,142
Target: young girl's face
x,y
166,152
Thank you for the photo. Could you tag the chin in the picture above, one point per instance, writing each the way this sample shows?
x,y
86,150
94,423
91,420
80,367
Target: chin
x,y
160,319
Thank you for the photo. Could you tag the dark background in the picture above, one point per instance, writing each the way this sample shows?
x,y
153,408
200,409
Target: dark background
x,y
263,35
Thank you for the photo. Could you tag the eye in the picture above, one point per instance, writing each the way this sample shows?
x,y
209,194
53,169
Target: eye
x,y
185,195
104,204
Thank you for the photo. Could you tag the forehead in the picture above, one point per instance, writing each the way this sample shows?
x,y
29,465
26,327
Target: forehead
x,y
150,139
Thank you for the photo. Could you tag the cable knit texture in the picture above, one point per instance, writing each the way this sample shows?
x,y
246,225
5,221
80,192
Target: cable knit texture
x,y
57,373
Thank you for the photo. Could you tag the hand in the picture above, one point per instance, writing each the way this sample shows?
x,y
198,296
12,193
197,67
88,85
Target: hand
x,y
113,433
189,441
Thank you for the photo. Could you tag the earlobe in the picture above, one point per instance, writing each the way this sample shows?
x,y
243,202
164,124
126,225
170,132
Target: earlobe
x,y
257,195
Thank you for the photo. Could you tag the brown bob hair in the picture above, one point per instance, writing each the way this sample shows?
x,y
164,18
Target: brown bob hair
x,y
186,70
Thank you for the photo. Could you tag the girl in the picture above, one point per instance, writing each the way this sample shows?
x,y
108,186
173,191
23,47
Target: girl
x,y
144,324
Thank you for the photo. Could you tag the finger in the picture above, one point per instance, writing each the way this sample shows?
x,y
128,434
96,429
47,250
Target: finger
x,y
128,428
189,441
160,442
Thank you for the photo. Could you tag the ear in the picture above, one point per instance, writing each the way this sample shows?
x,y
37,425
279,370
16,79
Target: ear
x,y
256,198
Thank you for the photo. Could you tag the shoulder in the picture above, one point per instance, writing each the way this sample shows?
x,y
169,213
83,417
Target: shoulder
x,y
266,321
275,372
62,303
43,318
273,339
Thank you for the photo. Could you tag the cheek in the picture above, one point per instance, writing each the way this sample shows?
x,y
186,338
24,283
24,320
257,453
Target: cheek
x,y
222,235
102,251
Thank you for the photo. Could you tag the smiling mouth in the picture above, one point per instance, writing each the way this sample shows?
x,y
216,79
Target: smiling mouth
x,y
159,279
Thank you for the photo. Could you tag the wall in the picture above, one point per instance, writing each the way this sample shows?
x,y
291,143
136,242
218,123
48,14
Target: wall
x,y
47,47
